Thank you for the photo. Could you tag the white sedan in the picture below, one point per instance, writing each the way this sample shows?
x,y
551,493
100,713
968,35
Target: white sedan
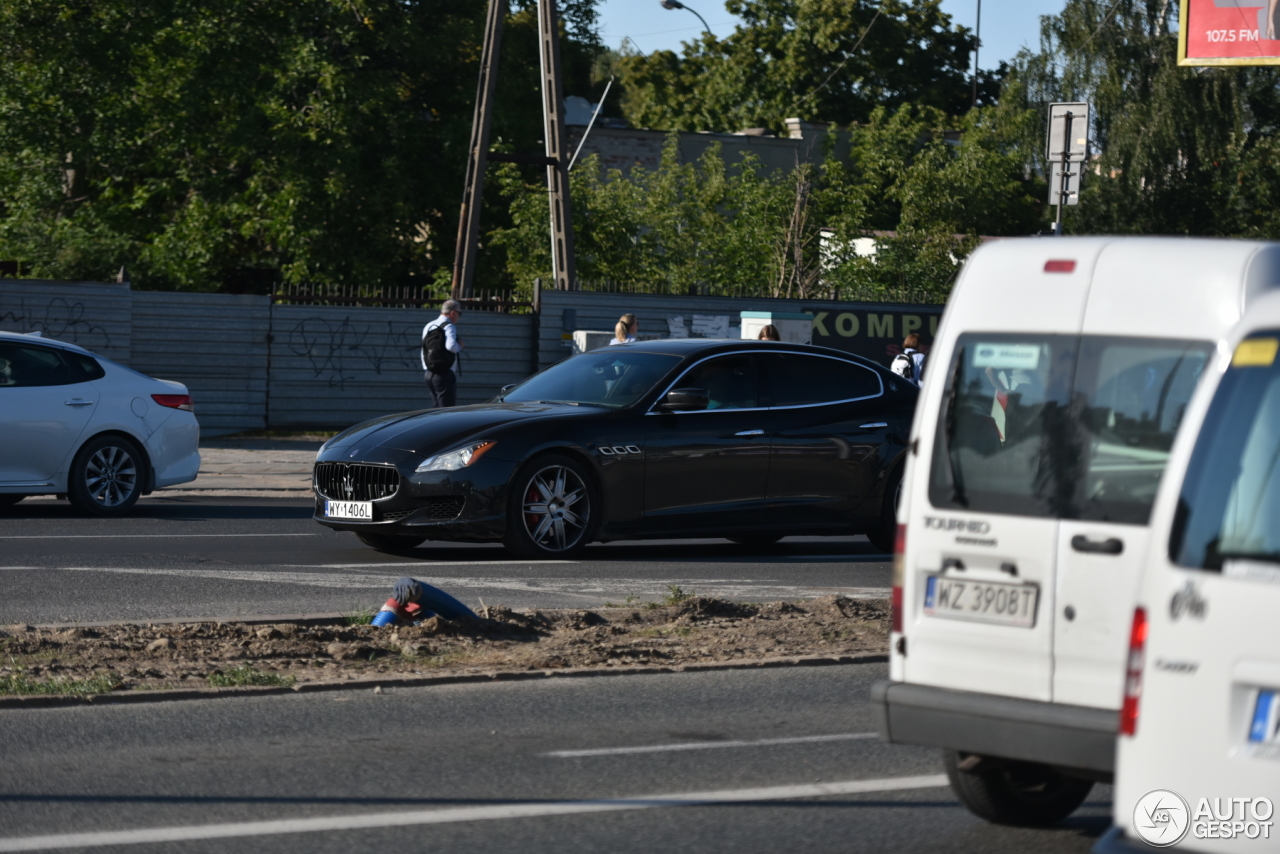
x,y
78,425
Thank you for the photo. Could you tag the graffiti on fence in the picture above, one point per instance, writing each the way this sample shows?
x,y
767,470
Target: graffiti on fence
x,y
58,318
336,350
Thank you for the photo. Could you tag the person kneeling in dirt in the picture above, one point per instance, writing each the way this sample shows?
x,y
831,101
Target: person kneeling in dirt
x,y
413,601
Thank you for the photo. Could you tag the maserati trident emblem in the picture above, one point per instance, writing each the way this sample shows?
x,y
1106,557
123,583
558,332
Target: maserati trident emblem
x,y
348,484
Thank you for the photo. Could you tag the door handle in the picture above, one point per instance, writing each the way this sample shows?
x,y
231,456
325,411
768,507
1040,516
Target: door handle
x,y
1111,546
874,425
750,433
79,402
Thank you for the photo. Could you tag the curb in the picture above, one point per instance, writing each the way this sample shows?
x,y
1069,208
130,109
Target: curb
x,y
490,676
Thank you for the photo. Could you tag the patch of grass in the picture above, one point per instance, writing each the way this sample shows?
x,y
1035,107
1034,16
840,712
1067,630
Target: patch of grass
x,y
629,602
21,684
360,617
675,595
238,676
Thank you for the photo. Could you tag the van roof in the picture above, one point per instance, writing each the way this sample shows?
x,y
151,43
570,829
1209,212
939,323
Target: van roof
x,y
1175,287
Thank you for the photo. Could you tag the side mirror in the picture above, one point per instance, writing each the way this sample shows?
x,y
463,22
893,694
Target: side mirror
x,y
685,400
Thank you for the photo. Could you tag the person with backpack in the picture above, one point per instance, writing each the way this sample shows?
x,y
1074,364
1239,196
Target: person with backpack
x,y
909,364
440,349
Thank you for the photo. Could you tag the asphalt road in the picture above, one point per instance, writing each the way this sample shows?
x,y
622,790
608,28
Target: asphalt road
x,y
733,761
204,557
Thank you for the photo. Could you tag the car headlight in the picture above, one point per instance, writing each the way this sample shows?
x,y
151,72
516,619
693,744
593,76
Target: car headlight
x,y
454,460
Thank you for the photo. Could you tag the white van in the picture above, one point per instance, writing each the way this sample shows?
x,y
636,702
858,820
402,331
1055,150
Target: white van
x,y
1059,377
1198,760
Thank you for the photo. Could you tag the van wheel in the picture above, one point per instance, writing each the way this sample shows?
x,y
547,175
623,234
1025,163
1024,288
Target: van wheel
x,y
390,542
885,533
1023,794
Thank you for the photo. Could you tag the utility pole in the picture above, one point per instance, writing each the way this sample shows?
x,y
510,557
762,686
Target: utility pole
x,y
464,262
562,265
977,43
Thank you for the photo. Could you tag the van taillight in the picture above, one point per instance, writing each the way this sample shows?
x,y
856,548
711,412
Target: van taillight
x,y
1059,266
1133,673
175,401
899,572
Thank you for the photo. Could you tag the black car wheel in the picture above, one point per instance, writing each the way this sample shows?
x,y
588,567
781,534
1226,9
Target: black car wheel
x,y
1023,794
390,542
551,509
106,477
885,533
8,500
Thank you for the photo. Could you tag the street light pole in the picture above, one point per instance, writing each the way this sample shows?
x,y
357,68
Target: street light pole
x,y
977,43
676,4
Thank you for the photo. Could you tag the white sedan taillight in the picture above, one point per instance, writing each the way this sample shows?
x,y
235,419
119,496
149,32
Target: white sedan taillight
x,y
1133,673
175,401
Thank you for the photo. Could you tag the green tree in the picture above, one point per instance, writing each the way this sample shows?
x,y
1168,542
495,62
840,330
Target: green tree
x,y
235,143
707,227
1179,150
829,60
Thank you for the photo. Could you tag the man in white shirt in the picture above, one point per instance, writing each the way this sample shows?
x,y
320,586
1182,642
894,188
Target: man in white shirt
x,y
440,354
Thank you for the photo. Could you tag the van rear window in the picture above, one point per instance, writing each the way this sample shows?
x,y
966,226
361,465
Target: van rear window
x,y
1071,427
1230,497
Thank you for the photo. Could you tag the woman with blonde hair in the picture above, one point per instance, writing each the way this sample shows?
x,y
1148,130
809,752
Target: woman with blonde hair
x,y
625,331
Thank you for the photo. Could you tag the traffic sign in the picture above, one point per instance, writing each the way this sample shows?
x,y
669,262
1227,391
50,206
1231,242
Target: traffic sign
x,y
1068,131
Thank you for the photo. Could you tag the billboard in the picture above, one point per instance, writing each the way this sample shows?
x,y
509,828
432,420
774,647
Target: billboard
x,y
1229,32
875,332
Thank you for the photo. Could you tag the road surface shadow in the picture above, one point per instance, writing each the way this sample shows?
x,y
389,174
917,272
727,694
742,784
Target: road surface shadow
x,y
178,508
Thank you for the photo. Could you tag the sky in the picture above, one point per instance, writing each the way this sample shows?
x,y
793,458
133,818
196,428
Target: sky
x,y
1007,25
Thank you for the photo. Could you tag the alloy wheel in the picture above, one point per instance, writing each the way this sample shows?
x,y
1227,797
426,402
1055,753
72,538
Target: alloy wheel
x,y
111,476
556,508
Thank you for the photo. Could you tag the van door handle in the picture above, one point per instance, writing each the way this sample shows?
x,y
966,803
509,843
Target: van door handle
x,y
874,425
78,402
750,433
1110,546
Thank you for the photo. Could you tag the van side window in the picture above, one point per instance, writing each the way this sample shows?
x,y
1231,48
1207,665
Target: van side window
x,y
1062,426
1230,496
1002,442
1131,395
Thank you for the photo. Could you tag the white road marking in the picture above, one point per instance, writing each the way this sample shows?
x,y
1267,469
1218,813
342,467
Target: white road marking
x,y
460,814
590,591
709,745
143,536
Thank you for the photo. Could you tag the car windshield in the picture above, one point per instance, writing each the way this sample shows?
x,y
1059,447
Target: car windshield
x,y
610,379
1230,497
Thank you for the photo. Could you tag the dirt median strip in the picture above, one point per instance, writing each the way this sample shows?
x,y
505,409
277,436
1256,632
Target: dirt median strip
x,y
43,666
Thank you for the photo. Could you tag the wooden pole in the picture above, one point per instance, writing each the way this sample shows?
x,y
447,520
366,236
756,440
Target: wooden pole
x,y
562,265
464,262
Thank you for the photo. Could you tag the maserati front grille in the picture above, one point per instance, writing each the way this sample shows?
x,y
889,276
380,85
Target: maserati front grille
x,y
356,481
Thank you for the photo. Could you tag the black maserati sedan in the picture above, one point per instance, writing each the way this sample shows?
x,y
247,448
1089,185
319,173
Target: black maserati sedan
x,y
749,440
